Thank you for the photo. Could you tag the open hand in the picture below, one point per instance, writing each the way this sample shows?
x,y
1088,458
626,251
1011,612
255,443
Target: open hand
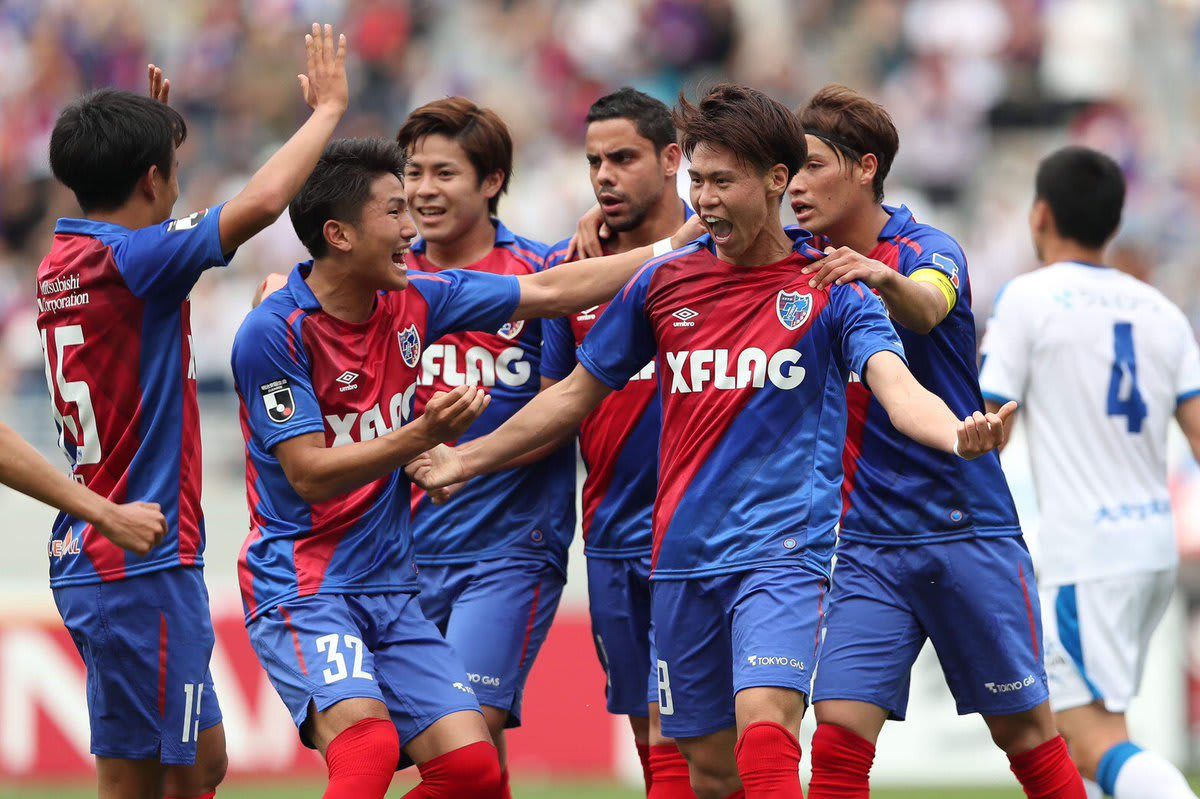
x,y
440,471
137,526
160,87
843,265
590,235
448,414
981,433
689,231
325,84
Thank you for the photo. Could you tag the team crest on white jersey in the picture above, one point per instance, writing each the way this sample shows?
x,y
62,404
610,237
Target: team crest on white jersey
x,y
793,309
511,329
410,346
277,398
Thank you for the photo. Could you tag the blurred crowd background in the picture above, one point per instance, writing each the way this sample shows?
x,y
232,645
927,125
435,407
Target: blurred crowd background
x,y
979,89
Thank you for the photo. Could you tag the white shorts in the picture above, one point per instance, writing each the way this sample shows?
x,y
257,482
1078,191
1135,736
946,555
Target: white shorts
x,y
1097,633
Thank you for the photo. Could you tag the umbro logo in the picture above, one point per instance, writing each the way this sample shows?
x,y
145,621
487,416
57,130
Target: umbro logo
x,y
347,379
685,317
588,314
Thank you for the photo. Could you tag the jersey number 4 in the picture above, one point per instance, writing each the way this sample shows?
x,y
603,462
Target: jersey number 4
x,y
63,392
1124,396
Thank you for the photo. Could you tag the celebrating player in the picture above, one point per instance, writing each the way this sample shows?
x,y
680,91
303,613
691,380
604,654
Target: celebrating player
x,y
115,325
135,526
929,545
492,562
752,362
634,159
1099,362
327,368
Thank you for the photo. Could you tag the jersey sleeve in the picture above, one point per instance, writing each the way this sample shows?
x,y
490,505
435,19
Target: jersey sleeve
x,y
558,348
1187,371
863,327
1007,344
271,372
460,299
165,261
942,265
622,341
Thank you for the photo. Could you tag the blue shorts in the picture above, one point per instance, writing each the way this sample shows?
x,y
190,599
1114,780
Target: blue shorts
x,y
619,604
975,599
323,649
495,614
719,635
146,642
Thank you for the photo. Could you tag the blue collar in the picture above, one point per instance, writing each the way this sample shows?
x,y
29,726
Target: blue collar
x,y
302,295
504,237
87,227
901,218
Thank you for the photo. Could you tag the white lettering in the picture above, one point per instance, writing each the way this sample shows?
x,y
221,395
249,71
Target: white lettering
x,y
480,367
695,370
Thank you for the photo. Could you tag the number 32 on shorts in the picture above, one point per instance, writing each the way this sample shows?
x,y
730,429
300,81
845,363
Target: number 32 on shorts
x,y
328,645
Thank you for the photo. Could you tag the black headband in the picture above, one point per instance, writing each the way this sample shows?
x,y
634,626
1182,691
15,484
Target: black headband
x,y
835,142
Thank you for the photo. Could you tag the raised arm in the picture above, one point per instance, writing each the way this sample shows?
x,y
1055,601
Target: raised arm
x,y
919,303
137,527
925,418
574,286
274,185
549,417
318,472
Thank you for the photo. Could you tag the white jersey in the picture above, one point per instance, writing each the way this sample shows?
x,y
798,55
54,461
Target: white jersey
x,y
1099,362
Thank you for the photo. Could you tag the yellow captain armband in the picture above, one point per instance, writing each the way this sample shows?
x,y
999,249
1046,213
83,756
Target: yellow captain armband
x,y
941,282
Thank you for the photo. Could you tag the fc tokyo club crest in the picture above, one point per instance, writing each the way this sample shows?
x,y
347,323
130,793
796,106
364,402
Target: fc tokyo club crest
x,y
277,397
410,346
511,329
793,309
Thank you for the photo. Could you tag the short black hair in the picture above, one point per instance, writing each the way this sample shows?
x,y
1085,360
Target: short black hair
x,y
340,186
1085,191
105,141
651,118
759,130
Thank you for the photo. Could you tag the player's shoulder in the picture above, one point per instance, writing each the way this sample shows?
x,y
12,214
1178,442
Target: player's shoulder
x,y
921,240
557,253
529,251
273,317
687,261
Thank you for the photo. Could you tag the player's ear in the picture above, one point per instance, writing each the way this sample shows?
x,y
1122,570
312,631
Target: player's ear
x,y
151,183
338,235
867,168
1040,219
777,181
491,185
672,157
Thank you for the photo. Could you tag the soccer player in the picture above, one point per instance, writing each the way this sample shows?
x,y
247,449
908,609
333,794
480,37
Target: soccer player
x,y
492,561
1099,363
135,526
634,160
327,369
752,362
929,545
115,325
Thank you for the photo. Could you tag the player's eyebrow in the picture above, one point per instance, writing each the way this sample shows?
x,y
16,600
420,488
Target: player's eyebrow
x,y
621,151
714,175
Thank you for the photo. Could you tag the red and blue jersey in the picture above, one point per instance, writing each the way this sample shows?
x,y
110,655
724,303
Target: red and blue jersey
x,y
752,366
899,491
115,324
524,512
299,370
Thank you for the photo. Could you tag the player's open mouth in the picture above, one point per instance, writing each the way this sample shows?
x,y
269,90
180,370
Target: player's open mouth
x,y
721,229
431,211
801,210
611,204
398,260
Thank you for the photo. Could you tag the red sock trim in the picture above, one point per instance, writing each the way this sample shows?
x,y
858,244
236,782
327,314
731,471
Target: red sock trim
x,y
669,774
472,770
362,760
841,764
1048,773
768,761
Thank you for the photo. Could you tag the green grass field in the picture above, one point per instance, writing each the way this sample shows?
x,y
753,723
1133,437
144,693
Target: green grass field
x,y
529,791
